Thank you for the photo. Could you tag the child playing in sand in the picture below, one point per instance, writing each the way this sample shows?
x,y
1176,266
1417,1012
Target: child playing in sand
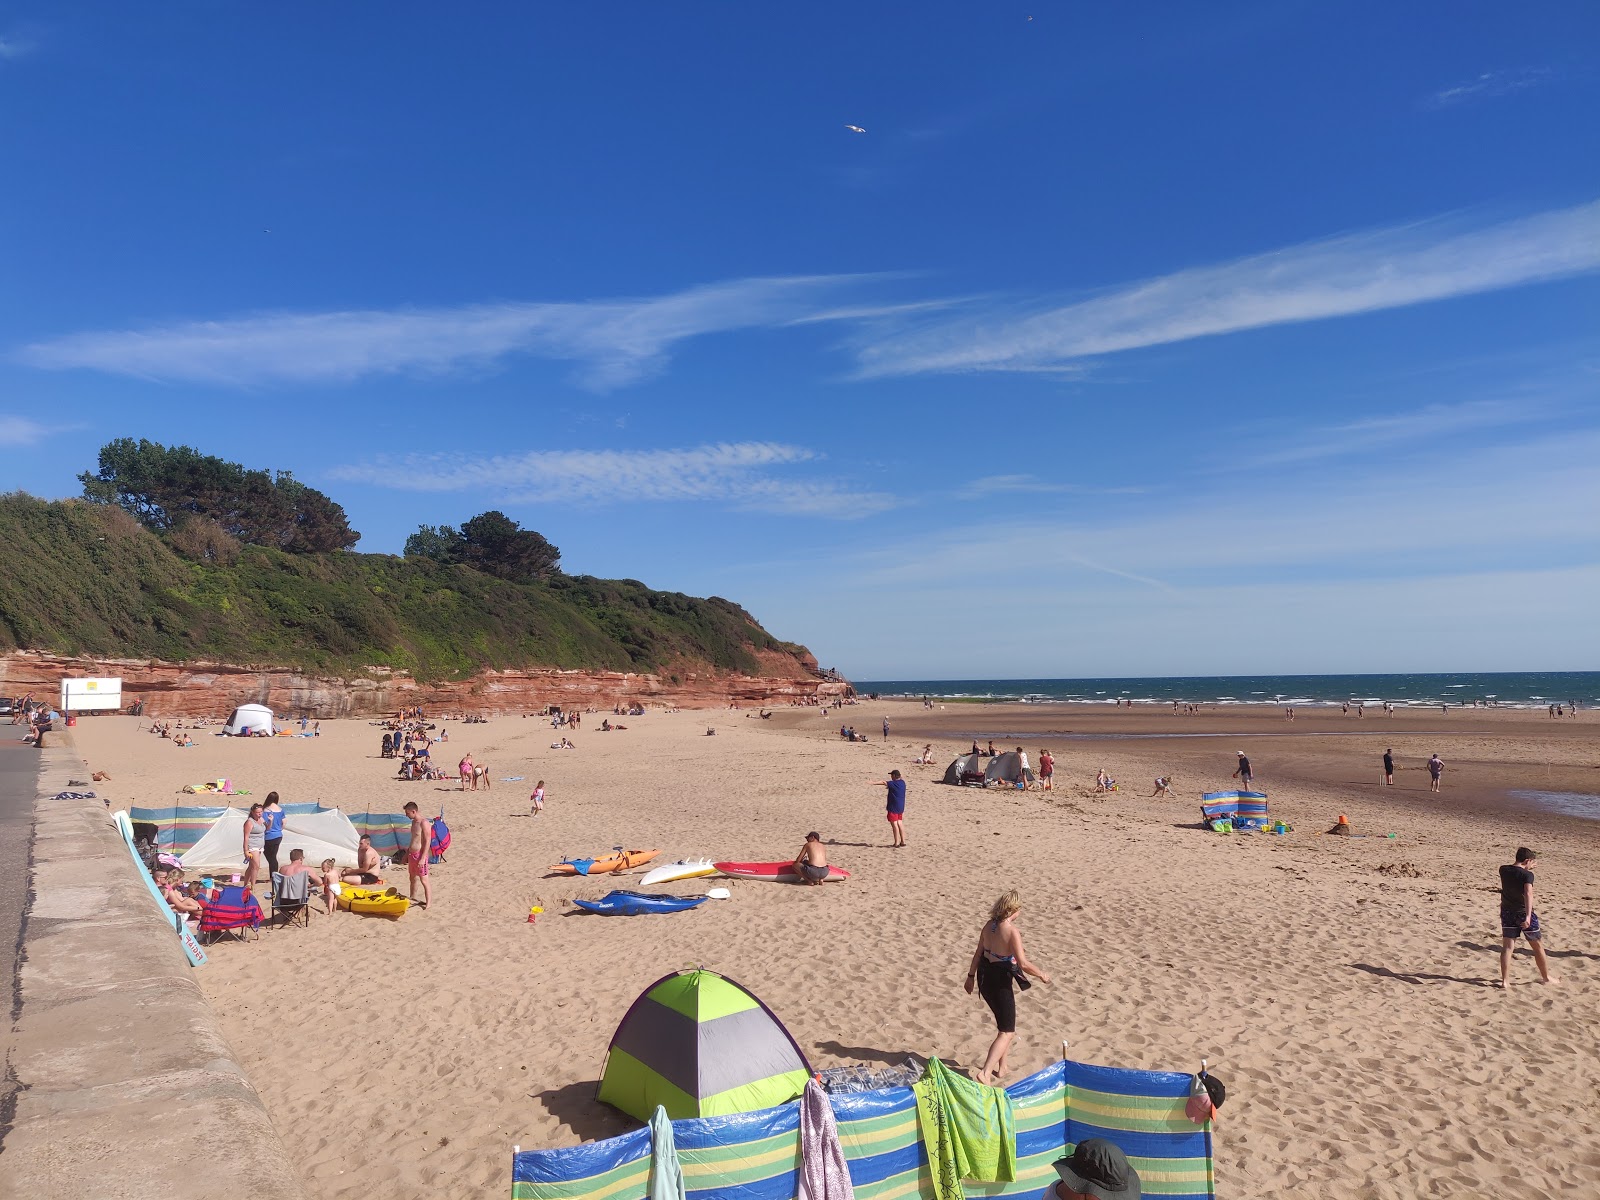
x,y
538,798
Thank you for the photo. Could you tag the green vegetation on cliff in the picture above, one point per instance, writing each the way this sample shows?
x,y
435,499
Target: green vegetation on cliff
x,y
81,578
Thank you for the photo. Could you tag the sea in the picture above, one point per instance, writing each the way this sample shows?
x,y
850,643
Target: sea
x,y
1500,689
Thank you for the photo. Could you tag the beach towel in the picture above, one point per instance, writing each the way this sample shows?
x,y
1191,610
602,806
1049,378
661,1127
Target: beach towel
x,y
666,1173
968,1130
76,796
823,1173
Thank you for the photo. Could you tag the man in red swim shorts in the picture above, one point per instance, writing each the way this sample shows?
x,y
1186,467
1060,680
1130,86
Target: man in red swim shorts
x,y
417,854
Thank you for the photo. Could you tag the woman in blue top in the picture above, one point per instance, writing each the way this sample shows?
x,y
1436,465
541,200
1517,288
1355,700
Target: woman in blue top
x,y
272,818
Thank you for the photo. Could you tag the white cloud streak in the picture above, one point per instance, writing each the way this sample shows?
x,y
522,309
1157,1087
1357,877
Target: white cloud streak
x,y
14,47
1488,84
20,431
1419,427
737,473
1344,276
616,342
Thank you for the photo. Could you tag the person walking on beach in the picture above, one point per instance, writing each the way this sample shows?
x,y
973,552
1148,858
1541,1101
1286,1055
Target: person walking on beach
x,y
1517,916
998,960
538,798
255,838
1388,767
895,803
417,854
1435,769
1243,773
1047,771
886,729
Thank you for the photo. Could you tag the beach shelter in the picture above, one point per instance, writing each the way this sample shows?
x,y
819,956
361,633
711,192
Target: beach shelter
x,y
966,769
700,1045
1005,768
248,720
321,833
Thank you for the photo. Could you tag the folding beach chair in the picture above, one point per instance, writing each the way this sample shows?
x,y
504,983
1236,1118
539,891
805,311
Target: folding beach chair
x,y
291,897
234,913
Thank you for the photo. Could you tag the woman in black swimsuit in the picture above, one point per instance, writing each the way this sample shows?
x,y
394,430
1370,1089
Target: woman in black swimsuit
x,y
998,960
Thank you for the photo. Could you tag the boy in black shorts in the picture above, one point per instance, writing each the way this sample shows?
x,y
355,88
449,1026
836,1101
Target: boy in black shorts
x,y
1517,916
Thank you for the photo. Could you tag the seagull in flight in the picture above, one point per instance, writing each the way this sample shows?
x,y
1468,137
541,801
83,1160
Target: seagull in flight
x,y
855,129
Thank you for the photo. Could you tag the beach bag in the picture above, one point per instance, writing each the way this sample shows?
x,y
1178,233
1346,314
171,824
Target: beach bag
x,y
440,842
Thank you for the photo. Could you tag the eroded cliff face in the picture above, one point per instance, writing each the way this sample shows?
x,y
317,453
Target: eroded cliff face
x,y
212,689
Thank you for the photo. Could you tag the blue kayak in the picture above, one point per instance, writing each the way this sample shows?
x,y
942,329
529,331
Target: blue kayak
x,y
631,904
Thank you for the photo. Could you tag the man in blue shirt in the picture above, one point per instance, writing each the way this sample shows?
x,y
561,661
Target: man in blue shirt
x,y
896,788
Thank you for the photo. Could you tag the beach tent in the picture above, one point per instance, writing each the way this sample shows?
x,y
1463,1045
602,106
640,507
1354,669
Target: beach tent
x,y
700,1045
212,839
249,719
1005,768
966,769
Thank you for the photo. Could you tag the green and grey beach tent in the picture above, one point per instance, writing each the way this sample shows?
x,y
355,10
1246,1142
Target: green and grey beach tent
x,y
700,1045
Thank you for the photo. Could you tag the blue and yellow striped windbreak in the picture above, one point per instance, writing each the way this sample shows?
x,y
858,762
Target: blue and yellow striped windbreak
x,y
756,1155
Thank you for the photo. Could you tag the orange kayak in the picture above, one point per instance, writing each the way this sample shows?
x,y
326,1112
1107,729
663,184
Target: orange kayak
x,y
610,864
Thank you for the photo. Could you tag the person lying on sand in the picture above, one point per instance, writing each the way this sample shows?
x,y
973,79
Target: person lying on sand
x,y
812,861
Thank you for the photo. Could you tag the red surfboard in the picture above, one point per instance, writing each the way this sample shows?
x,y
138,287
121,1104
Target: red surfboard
x,y
773,872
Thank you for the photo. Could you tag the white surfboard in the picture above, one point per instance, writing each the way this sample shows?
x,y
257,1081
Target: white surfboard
x,y
689,868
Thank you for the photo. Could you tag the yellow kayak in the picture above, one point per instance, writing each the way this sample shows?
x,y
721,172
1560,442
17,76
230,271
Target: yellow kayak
x,y
372,901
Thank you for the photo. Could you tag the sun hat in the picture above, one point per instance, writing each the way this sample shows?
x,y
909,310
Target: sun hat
x,y
1241,754
1098,1167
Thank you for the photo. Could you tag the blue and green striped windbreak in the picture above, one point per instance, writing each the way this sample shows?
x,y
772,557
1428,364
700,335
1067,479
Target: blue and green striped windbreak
x,y
756,1155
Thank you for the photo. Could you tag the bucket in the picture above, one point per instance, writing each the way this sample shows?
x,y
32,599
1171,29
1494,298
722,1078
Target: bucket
x,y
72,719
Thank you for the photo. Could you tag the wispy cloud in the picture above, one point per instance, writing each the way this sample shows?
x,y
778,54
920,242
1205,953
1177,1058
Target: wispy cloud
x,y
740,474
1360,273
615,342
1488,84
15,45
1422,427
1011,485
20,431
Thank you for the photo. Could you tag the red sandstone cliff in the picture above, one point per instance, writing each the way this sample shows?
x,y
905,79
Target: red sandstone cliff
x,y
212,689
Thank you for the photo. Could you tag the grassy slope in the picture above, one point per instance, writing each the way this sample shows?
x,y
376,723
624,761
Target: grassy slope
x,y
77,578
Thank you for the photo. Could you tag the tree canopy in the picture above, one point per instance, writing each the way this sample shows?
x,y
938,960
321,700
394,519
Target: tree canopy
x,y
164,487
490,542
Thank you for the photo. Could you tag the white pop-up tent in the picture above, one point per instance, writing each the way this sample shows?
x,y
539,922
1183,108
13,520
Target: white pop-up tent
x,y
326,833
249,719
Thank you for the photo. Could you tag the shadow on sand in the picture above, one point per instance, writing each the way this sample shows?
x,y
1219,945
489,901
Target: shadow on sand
x,y
575,1107
1420,977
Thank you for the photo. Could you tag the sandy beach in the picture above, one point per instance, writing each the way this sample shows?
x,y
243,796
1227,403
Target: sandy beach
x,y
1341,987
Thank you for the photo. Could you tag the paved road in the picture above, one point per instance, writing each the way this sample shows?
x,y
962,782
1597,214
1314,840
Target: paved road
x,y
19,772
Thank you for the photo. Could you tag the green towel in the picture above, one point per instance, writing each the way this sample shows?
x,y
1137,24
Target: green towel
x,y
969,1130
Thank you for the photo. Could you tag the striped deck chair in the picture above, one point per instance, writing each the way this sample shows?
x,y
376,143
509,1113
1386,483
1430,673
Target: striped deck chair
x,y
756,1155
1246,810
234,913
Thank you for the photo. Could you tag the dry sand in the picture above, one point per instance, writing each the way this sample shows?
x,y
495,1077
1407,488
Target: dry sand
x,y
1340,987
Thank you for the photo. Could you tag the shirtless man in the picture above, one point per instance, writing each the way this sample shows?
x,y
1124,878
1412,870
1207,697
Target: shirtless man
x,y
417,854
367,863
812,861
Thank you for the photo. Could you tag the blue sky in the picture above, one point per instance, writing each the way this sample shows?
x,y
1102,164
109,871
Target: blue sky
x,y
1125,340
